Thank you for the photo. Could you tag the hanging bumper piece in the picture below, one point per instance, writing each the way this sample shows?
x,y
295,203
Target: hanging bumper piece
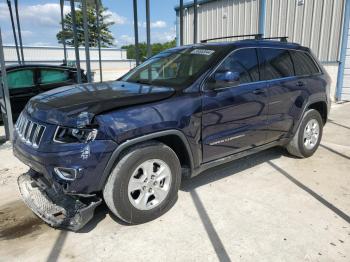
x,y
51,204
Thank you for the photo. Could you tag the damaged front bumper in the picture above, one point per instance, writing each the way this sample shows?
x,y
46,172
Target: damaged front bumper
x,y
51,204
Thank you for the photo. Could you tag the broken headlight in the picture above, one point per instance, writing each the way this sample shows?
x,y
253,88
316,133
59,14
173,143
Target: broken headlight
x,y
74,135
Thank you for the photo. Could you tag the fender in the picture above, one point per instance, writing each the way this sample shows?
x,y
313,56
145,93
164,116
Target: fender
x,y
312,101
111,162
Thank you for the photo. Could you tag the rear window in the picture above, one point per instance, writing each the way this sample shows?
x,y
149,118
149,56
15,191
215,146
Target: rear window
x,y
304,64
277,63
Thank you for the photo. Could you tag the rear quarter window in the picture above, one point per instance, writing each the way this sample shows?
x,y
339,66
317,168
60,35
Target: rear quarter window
x,y
276,64
303,63
50,76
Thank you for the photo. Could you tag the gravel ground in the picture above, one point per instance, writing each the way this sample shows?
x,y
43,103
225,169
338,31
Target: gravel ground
x,y
266,207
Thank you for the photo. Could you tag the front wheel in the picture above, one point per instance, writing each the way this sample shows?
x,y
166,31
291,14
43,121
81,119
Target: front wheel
x,y
144,183
308,136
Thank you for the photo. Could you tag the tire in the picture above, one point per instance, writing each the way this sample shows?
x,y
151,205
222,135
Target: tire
x,y
132,169
297,146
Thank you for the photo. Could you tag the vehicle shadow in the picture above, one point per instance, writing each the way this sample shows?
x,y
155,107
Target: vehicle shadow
x,y
231,168
190,184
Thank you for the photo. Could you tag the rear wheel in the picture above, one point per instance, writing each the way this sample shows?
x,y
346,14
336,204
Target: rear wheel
x,y
144,183
308,136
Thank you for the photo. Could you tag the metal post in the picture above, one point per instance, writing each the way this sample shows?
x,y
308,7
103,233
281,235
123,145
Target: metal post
x,y
136,32
63,33
262,14
86,38
195,21
14,30
181,12
19,31
148,29
98,36
344,44
76,43
7,116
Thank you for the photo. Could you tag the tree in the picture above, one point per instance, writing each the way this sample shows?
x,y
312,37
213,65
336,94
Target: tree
x,y
107,38
156,48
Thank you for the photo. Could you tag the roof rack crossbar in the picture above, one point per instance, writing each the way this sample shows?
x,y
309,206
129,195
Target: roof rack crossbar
x,y
256,36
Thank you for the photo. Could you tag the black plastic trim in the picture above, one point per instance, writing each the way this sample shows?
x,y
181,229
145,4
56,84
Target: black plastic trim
x,y
111,162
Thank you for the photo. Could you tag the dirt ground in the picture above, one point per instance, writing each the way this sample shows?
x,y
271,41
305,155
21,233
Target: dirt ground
x,y
266,207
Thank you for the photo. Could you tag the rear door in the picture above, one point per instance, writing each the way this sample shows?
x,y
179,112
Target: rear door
x,y
235,117
283,89
22,87
50,78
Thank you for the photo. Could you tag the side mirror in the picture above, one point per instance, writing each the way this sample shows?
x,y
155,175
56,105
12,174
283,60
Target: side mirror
x,y
224,79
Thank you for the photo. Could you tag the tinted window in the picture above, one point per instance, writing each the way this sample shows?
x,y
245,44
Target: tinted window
x,y
49,76
176,67
304,64
245,62
277,64
20,79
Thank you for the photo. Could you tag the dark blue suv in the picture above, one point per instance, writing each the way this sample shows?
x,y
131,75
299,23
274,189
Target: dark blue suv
x,y
182,111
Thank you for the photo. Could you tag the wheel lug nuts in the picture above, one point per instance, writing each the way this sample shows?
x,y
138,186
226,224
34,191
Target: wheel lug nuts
x,y
153,177
143,188
155,183
150,190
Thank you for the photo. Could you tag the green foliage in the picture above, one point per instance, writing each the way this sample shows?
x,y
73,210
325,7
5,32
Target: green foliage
x,y
156,48
107,38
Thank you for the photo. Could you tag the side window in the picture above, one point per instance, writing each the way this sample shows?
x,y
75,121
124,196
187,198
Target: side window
x,y
50,76
304,64
277,64
245,63
20,79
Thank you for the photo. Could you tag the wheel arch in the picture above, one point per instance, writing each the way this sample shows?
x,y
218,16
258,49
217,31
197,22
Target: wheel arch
x,y
175,139
321,107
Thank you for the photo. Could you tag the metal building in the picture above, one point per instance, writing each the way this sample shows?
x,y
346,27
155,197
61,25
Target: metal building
x,y
317,24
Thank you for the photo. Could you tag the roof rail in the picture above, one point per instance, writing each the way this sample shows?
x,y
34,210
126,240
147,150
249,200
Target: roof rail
x,y
256,36
281,38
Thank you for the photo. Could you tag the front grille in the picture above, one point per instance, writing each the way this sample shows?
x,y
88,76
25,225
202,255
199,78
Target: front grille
x,y
29,131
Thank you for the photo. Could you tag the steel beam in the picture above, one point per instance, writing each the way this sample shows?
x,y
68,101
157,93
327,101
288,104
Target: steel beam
x,y
6,107
148,30
19,31
136,32
343,47
75,38
97,3
86,38
63,33
195,21
181,13
14,30
262,15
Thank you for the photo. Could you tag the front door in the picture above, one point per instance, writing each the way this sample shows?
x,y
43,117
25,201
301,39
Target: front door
x,y
234,115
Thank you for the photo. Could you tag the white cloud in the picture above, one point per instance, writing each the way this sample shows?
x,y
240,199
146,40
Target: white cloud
x,y
114,17
158,24
47,15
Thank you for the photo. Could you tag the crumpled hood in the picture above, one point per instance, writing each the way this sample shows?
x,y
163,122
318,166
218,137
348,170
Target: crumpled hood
x,y
76,105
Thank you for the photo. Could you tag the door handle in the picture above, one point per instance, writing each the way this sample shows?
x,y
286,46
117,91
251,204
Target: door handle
x,y
258,91
300,83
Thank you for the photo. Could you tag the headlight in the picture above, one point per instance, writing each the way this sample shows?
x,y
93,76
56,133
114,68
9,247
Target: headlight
x,y
74,135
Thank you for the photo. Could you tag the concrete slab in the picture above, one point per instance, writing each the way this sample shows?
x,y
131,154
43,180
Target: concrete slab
x,y
266,207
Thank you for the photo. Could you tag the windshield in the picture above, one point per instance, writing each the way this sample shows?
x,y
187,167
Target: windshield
x,y
178,68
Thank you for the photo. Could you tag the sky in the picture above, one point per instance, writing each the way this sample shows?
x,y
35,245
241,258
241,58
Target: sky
x,y
40,21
